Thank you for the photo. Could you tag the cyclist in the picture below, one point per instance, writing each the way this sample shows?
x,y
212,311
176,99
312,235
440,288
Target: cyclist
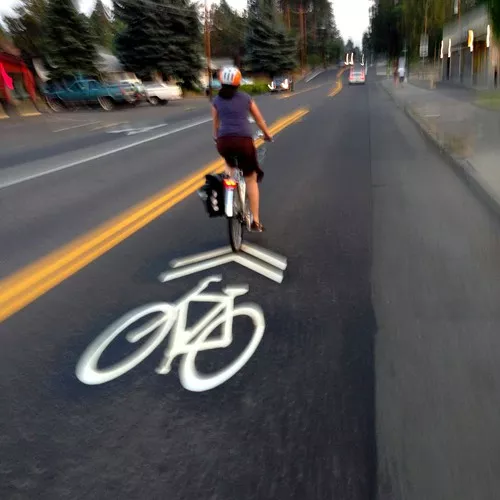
x,y
233,134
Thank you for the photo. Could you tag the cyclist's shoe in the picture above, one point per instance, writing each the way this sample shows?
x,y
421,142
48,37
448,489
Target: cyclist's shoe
x,y
257,227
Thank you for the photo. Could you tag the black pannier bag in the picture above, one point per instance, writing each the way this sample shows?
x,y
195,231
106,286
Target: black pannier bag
x,y
212,195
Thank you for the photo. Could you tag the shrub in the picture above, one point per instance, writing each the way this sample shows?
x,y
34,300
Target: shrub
x,y
256,88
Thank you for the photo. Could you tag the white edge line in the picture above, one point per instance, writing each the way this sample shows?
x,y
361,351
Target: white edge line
x,y
101,155
314,75
145,129
76,126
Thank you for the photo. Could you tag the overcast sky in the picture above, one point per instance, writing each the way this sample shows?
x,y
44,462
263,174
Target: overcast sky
x,y
351,15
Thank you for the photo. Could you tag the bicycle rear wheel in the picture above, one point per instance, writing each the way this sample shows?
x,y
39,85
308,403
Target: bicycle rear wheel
x,y
235,233
235,225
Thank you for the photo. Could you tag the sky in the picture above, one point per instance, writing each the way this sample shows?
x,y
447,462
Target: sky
x,y
351,15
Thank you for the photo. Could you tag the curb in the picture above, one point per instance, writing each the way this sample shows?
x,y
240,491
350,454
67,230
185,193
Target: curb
x,y
462,167
313,75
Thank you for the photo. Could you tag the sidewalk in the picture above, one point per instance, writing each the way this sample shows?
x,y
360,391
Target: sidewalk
x,y
467,134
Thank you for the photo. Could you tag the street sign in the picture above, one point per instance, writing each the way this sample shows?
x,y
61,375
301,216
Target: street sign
x,y
424,45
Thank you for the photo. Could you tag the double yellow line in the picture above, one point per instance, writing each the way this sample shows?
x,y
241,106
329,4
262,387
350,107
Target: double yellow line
x,y
26,285
293,94
338,84
336,89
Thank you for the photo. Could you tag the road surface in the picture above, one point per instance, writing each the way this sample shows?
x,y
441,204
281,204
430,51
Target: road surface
x,y
372,365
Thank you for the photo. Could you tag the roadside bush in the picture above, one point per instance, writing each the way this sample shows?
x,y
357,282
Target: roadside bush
x,y
256,88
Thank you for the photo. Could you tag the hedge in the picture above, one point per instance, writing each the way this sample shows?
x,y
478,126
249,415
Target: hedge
x,y
255,88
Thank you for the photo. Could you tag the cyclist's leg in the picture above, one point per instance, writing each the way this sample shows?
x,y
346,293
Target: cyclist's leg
x,y
227,151
253,195
253,174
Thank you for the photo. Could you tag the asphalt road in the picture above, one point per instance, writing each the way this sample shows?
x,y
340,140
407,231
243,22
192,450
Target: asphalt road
x,y
376,368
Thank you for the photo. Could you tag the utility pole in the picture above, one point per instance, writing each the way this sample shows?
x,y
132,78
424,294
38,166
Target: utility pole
x,y
301,25
459,43
208,51
303,35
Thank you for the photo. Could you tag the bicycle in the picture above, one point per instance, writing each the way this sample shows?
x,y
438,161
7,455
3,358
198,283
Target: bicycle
x,y
236,208
185,342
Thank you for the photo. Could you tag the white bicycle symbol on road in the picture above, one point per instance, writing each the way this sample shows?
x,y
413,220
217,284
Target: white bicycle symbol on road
x,y
183,341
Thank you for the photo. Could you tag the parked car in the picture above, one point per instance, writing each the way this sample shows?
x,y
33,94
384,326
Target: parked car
x,y
216,86
161,93
88,91
138,85
281,84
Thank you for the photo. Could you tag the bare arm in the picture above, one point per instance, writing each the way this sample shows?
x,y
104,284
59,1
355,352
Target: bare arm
x,y
259,120
215,121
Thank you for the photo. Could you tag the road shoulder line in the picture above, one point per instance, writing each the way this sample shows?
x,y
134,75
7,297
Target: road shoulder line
x,y
33,170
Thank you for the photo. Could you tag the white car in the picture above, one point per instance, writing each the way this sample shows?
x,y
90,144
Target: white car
x,y
161,93
357,75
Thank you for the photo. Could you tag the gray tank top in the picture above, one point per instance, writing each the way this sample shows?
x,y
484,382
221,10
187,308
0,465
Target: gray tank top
x,y
233,115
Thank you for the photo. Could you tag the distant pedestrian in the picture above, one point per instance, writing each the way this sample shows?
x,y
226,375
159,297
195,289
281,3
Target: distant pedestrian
x,y
401,73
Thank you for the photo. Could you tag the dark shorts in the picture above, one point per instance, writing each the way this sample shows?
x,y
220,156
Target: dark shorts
x,y
240,152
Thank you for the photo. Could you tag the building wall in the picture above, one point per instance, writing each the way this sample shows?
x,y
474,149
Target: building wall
x,y
471,69
16,81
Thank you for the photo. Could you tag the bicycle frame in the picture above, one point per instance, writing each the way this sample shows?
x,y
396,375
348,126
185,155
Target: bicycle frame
x,y
183,340
232,184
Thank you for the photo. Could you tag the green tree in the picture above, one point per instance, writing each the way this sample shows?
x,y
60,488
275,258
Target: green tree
x,y
160,37
387,28
68,40
268,48
494,10
102,27
227,31
26,27
323,39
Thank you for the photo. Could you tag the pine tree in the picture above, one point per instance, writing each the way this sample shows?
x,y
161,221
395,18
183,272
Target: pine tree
x,y
162,36
268,48
101,25
288,59
69,42
26,27
227,30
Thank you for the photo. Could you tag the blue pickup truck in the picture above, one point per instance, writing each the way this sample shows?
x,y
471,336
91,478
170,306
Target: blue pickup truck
x,y
87,91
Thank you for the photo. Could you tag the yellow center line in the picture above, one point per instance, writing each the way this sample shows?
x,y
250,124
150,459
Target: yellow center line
x,y
337,89
338,84
28,284
341,72
293,94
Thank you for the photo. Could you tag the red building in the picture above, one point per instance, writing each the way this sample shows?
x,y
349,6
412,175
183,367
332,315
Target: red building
x,y
16,80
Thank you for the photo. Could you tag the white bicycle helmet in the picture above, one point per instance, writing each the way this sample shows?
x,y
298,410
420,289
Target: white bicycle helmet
x,y
230,75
